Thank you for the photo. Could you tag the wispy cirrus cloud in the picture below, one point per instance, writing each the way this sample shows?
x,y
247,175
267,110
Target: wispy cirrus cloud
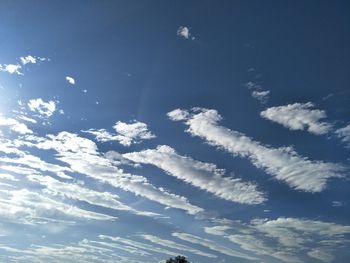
x,y
262,95
82,156
291,237
138,244
344,134
283,163
257,91
30,207
205,176
212,245
174,245
75,191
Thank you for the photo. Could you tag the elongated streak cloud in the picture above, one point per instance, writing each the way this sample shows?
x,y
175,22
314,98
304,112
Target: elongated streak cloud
x,y
282,163
205,176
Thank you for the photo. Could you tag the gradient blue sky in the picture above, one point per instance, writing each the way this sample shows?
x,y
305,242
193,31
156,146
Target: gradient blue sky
x,y
133,131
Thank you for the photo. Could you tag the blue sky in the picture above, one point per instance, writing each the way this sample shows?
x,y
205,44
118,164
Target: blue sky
x,y
134,131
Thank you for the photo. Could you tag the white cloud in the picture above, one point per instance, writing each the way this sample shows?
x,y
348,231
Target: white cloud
x,y
11,68
70,80
337,203
83,251
31,59
25,118
212,245
299,116
173,245
184,31
282,163
77,192
127,133
45,109
28,59
135,130
205,176
119,246
290,237
26,207
261,95
82,156
137,244
344,134
321,255
14,125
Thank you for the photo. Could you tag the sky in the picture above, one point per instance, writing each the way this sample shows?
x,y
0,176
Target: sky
x,y
135,131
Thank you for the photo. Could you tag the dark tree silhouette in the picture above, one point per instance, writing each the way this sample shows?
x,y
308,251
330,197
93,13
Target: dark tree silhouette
x,y
178,259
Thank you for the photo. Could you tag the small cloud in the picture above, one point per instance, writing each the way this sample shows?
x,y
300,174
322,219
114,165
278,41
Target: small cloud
x,y
11,68
28,59
344,134
184,32
15,68
45,109
253,85
126,133
299,116
70,80
262,96
337,203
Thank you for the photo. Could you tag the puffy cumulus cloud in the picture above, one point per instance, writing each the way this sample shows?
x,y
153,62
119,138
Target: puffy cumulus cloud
x,y
344,134
11,68
283,163
82,156
212,245
261,95
205,176
299,116
173,245
126,133
45,109
14,125
70,80
184,32
285,238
